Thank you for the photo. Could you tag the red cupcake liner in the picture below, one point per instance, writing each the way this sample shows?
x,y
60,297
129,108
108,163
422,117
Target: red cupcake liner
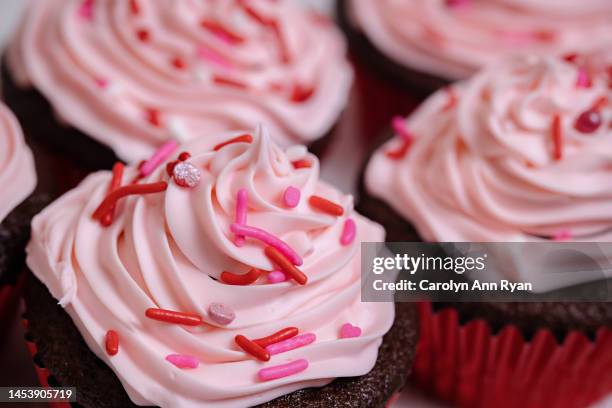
x,y
42,373
378,101
9,303
471,366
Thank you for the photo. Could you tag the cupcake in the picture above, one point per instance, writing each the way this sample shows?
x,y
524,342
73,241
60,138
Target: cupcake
x,y
425,44
17,207
225,278
102,80
519,152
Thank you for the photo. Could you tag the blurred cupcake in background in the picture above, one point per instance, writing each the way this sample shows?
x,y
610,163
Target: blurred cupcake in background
x,y
102,80
17,207
424,44
522,151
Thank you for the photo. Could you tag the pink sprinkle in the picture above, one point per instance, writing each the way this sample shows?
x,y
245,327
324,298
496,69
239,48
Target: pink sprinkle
x,y
183,361
268,239
583,80
242,200
292,343
86,9
399,127
276,277
562,235
457,3
348,232
158,157
348,331
291,197
101,82
213,56
283,370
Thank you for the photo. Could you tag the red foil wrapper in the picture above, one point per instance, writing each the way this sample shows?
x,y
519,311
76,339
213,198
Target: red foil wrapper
x,y
469,365
9,303
41,372
378,100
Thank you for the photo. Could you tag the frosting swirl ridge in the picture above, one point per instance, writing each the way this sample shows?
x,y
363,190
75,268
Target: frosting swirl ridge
x,y
156,69
168,250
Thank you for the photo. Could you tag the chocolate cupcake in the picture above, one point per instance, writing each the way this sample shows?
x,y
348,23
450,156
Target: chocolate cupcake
x,y
17,207
232,278
426,44
519,152
101,80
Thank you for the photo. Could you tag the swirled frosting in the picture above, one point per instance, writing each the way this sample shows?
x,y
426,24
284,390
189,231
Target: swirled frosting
x,y
132,74
17,172
490,161
168,250
453,38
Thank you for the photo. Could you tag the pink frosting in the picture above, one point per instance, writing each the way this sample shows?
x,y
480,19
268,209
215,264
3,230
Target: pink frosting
x,y
484,168
17,172
112,70
452,39
162,250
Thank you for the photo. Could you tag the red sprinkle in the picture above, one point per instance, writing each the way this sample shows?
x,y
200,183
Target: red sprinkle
x,y
184,156
281,335
218,29
571,57
301,164
134,7
325,205
242,280
171,316
400,152
286,265
301,94
255,15
246,138
588,121
112,342
114,185
153,116
557,137
143,35
222,80
178,63
111,199
252,348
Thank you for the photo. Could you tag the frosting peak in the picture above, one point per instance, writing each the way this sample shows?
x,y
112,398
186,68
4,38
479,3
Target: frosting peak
x,y
172,250
133,74
521,151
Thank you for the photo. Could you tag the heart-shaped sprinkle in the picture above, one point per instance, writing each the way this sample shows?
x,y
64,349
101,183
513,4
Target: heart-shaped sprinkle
x,y
221,314
348,331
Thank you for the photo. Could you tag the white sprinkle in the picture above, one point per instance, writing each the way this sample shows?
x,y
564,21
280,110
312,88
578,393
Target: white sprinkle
x,y
296,152
178,130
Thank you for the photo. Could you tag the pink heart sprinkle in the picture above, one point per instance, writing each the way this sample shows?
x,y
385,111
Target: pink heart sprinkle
x,y
276,277
221,314
348,331
291,197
